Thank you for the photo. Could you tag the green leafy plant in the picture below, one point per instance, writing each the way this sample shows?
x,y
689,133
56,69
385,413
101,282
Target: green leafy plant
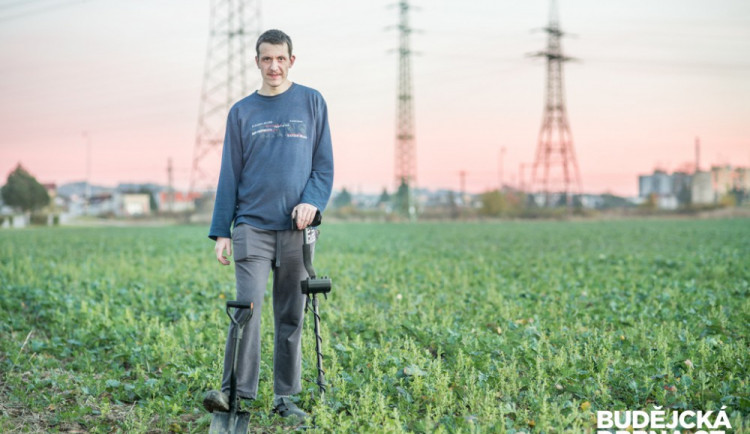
x,y
503,327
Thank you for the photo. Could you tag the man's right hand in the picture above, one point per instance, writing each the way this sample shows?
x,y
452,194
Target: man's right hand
x,y
223,244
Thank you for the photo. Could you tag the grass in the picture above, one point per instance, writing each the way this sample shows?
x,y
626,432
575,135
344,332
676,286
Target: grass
x,y
493,327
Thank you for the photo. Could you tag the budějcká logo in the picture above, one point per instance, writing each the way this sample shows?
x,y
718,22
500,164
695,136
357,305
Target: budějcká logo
x,y
657,421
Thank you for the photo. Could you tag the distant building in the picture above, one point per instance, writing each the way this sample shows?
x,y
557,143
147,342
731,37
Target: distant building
x,y
8,219
742,179
667,202
645,185
136,204
681,187
51,188
701,190
659,183
663,186
723,179
591,201
102,204
179,202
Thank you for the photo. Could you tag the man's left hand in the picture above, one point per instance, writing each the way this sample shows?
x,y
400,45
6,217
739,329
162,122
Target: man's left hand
x,y
304,213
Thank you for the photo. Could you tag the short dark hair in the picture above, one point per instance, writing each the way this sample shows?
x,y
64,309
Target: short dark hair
x,y
275,37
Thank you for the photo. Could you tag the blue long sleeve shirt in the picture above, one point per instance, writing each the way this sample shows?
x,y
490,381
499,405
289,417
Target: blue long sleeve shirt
x,y
277,154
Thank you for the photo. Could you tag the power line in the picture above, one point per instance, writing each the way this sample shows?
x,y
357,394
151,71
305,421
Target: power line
x,y
15,4
41,10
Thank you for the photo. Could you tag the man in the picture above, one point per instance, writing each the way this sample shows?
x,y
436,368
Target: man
x,y
277,165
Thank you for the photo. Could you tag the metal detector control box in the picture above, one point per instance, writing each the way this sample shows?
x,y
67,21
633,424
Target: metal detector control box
x,y
313,284
317,285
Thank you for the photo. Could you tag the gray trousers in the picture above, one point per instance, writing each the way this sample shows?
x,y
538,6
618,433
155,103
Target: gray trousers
x,y
256,252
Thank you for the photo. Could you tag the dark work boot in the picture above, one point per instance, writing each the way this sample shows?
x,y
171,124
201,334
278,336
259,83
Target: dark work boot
x,y
214,400
285,407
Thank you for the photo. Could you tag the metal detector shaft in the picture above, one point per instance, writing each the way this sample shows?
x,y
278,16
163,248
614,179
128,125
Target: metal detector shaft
x,y
311,287
318,347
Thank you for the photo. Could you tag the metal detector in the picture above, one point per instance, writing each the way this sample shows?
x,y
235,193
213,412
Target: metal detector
x,y
234,421
311,287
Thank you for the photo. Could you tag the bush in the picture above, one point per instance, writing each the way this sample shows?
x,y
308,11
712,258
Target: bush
x,y
39,219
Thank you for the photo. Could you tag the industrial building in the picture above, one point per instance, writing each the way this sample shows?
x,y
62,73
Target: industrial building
x,y
677,189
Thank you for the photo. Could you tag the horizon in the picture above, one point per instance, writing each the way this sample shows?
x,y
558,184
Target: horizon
x,y
164,187
127,78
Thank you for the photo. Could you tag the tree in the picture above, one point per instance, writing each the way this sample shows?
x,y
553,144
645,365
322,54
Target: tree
x,y
153,206
342,199
384,197
684,196
651,203
498,203
23,191
610,200
402,199
493,203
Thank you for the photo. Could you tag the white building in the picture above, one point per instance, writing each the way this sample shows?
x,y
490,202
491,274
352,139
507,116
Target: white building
x,y
659,183
663,186
136,204
702,191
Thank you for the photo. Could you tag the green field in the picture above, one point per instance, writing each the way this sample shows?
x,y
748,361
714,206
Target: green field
x,y
496,327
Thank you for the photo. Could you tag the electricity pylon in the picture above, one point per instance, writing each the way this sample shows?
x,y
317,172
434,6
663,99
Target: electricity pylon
x,y
555,154
405,154
235,26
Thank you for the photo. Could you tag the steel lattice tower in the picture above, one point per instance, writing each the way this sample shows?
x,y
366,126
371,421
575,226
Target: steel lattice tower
x,y
235,26
555,154
405,156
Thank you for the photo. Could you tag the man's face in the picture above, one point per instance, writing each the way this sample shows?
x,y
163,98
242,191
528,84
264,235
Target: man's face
x,y
274,63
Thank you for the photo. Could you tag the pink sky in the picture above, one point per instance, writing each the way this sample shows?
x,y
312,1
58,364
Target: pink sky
x,y
652,77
